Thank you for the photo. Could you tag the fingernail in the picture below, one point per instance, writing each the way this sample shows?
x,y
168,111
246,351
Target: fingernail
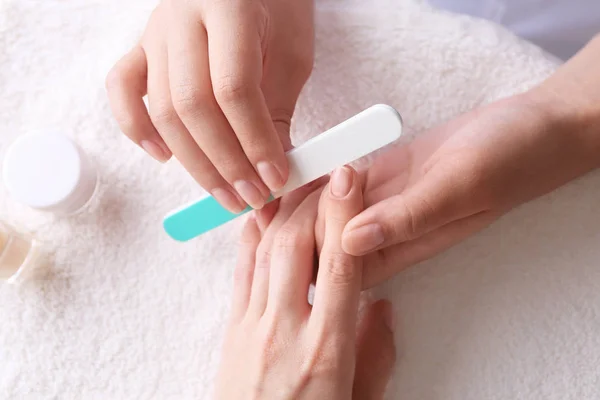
x,y
341,182
270,175
250,194
389,319
228,200
165,149
365,238
155,150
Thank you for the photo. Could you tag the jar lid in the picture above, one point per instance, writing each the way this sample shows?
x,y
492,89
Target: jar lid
x,y
47,171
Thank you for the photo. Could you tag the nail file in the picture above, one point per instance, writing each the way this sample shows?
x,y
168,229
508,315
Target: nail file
x,y
354,138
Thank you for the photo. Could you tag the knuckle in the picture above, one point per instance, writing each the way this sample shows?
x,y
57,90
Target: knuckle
x,y
477,185
163,115
242,275
127,123
189,101
200,171
414,218
232,89
341,268
420,214
322,361
406,230
338,215
255,146
263,257
288,239
232,168
282,117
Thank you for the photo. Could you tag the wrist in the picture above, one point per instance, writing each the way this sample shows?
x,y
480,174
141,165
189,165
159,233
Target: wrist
x,y
569,102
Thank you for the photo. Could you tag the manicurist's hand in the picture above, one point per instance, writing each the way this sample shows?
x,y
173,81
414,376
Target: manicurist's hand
x,y
222,79
277,346
456,179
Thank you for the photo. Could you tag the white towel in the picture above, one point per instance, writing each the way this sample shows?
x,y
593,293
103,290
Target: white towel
x,y
513,313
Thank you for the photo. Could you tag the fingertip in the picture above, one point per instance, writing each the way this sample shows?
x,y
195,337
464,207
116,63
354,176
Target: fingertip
x,y
251,193
250,232
228,199
272,175
342,182
265,215
157,149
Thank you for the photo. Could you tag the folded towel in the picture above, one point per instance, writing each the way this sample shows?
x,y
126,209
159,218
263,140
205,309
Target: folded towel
x,y
126,313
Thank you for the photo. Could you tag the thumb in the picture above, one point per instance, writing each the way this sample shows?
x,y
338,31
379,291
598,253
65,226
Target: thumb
x,y
376,352
435,201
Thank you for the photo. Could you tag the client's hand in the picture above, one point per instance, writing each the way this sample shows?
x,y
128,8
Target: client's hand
x,y
279,347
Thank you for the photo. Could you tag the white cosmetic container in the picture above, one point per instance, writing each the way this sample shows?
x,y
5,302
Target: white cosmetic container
x,y
49,172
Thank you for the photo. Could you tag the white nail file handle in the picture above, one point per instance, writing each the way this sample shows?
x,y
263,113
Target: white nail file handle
x,y
354,138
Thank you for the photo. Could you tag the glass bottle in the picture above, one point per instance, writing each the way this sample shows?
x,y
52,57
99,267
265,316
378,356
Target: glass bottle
x,y
18,255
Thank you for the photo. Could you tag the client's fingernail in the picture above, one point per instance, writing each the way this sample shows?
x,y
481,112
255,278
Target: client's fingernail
x,y
270,175
250,194
341,182
155,150
389,319
365,239
228,200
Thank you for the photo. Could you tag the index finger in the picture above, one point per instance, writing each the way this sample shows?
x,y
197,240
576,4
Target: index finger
x,y
339,279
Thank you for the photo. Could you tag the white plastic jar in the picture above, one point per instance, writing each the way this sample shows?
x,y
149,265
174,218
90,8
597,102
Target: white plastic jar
x,y
49,172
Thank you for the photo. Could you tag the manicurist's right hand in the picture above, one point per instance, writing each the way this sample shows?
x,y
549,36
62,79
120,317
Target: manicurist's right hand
x,y
222,79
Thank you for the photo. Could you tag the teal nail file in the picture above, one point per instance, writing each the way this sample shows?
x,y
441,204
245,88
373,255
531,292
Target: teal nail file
x,y
354,138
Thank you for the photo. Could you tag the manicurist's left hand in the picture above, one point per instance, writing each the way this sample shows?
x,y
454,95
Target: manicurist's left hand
x,y
457,179
277,345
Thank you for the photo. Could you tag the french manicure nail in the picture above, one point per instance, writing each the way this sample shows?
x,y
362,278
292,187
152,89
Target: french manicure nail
x,y
341,182
365,238
228,200
270,175
250,194
155,150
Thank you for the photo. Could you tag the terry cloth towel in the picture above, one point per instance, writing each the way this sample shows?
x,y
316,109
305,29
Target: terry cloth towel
x,y
126,313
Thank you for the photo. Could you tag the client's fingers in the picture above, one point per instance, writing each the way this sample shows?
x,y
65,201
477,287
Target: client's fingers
x,y
244,269
292,261
339,278
260,285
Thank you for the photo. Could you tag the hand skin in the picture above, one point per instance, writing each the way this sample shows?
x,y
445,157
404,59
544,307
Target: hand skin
x,y
279,347
460,177
222,79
